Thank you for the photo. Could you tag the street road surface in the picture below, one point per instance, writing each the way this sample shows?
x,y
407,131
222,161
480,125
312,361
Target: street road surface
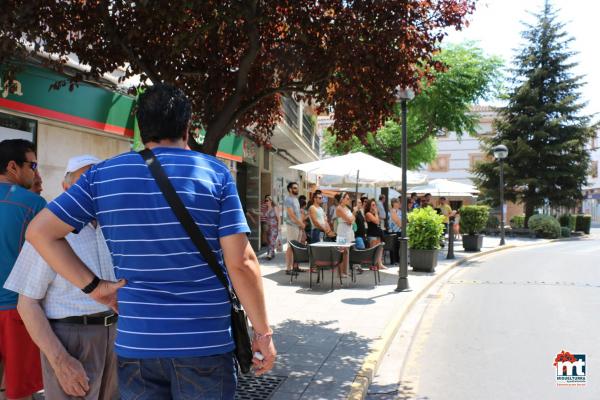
x,y
494,329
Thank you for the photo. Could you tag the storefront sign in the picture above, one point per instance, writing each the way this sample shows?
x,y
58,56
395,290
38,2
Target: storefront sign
x,y
13,87
230,146
86,105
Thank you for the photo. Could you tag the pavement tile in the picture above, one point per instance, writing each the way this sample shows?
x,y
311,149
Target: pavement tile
x,y
326,390
281,395
295,385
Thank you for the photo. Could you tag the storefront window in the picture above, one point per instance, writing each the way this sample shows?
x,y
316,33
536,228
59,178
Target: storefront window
x,y
13,127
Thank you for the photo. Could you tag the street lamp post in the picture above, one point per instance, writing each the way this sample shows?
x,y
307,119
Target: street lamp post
x,y
501,152
403,95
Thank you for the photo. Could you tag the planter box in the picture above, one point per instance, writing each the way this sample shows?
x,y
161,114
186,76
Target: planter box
x,y
472,242
423,260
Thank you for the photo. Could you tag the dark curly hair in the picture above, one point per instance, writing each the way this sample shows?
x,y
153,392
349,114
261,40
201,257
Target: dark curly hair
x,y
163,112
14,150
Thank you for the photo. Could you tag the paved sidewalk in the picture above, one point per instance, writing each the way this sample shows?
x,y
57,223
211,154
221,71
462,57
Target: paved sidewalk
x,y
324,337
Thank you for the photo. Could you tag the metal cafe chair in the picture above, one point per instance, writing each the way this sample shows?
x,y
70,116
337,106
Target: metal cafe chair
x,y
366,259
300,255
323,258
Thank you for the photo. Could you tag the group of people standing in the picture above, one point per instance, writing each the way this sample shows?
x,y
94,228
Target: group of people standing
x,y
345,221
363,221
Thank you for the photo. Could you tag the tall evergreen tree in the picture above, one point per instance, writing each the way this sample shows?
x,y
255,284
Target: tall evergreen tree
x,y
542,124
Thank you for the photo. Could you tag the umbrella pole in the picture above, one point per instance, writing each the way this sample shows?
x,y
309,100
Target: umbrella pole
x,y
356,191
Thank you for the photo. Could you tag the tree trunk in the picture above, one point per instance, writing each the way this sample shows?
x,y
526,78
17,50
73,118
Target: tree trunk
x,y
529,207
211,141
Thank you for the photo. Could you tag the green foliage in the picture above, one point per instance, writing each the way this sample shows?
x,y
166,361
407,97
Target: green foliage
x,y
425,229
542,124
493,222
473,219
517,222
442,105
567,220
385,145
545,226
565,231
583,223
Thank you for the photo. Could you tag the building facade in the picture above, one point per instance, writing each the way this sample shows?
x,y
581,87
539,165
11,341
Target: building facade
x,y
591,202
456,157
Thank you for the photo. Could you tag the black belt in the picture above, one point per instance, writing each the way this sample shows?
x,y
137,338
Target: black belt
x,y
106,320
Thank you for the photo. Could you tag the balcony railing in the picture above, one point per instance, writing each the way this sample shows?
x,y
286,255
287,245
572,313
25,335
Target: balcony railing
x,y
317,145
290,112
308,128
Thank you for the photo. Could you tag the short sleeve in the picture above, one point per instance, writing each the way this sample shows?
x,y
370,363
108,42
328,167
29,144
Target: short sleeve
x,y
39,205
75,206
30,275
231,216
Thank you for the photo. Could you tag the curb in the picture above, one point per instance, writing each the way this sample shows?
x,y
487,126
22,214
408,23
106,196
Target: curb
x,y
364,377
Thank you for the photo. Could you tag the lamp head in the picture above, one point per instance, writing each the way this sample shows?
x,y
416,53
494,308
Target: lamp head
x,y
404,93
500,151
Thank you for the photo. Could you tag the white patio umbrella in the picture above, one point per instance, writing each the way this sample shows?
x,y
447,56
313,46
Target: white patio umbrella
x,y
445,187
359,168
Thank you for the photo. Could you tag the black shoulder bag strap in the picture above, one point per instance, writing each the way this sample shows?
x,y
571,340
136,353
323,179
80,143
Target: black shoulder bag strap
x,y
239,323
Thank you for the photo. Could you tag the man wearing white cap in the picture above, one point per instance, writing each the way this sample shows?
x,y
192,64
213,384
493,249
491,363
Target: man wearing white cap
x,y
74,333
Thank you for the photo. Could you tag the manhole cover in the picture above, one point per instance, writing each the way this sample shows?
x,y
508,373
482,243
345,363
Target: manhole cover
x,y
257,388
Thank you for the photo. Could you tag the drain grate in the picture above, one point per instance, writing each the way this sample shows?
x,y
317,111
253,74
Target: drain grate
x,y
257,387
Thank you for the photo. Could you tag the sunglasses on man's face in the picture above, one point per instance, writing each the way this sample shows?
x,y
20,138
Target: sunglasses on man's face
x,y
32,164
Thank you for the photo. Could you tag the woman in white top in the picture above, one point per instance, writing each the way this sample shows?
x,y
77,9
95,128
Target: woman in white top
x,y
344,230
345,219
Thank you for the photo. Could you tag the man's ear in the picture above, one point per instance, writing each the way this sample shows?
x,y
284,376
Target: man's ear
x,y
12,169
12,166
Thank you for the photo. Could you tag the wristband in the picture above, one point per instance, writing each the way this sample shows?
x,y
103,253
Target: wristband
x,y
91,286
259,336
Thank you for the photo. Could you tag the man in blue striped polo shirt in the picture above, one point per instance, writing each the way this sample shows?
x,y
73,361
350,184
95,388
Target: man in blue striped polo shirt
x,y
174,336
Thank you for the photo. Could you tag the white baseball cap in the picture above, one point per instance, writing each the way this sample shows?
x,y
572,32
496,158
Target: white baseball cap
x,y
78,162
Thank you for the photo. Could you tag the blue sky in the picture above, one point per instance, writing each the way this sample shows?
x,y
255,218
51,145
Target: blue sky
x,y
496,25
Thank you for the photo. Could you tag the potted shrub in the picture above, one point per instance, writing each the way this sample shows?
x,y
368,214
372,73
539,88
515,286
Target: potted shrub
x,y
425,229
583,223
545,226
472,221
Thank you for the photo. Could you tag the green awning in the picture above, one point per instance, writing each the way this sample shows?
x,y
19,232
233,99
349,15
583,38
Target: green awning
x,y
231,147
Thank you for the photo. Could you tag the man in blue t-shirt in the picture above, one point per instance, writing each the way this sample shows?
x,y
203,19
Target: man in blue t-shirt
x,y
174,336
18,206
